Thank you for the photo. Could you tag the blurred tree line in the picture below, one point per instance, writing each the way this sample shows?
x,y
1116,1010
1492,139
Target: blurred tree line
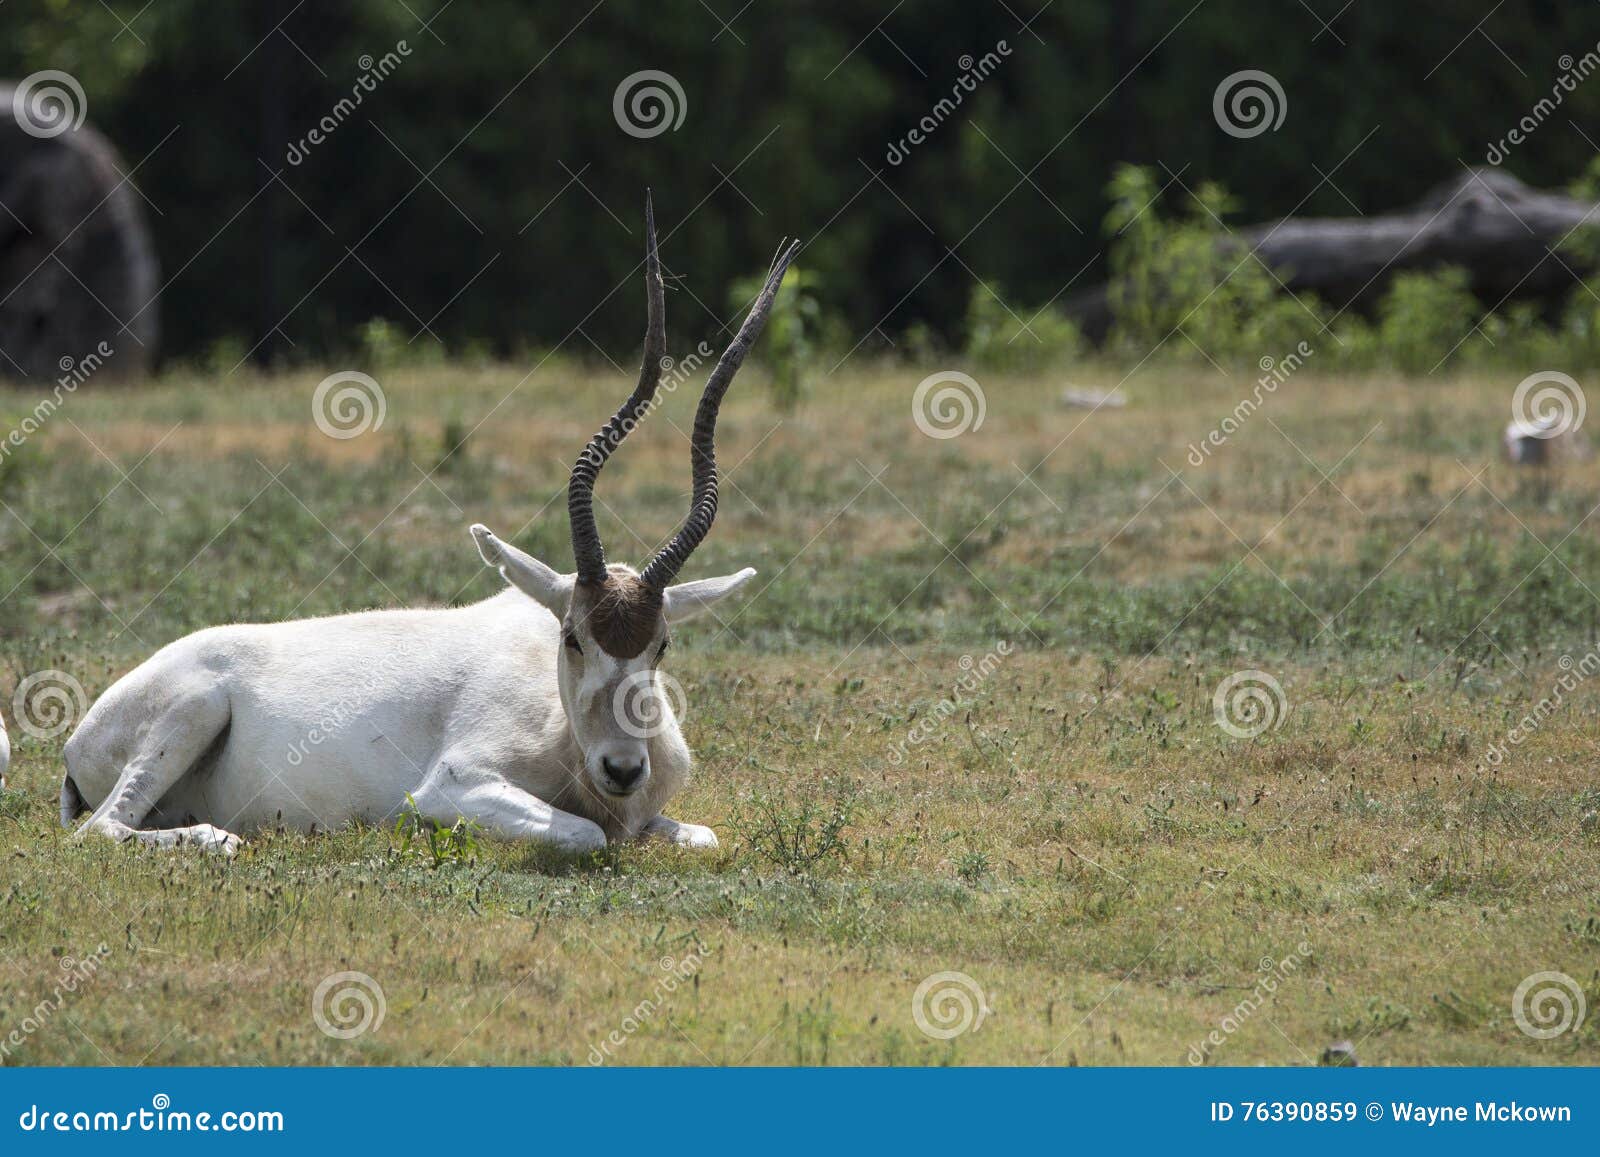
x,y
483,193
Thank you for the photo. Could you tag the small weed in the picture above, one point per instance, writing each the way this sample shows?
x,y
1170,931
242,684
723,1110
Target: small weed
x,y
797,836
417,835
972,866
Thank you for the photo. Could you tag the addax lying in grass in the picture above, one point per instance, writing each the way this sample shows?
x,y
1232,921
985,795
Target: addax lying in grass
x,y
536,713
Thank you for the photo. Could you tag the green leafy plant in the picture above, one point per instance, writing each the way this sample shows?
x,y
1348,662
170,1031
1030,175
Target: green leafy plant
x,y
1005,338
797,330
417,835
796,835
1181,281
972,866
1425,319
384,344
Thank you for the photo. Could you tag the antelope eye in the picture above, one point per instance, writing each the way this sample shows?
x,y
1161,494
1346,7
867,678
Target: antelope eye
x,y
665,643
570,641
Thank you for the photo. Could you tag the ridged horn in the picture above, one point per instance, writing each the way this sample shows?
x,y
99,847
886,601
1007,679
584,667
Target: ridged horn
x,y
586,547
663,568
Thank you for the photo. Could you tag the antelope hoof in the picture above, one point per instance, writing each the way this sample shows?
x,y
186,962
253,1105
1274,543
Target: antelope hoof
x,y
582,836
694,836
212,839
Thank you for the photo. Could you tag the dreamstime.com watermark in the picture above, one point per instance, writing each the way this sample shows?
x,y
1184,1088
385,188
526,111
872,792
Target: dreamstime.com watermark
x,y
948,1004
675,972
373,73
75,973
160,1117
1273,975
1573,73
676,373
974,674
389,674
1548,1004
973,73
1573,673
74,372
1274,372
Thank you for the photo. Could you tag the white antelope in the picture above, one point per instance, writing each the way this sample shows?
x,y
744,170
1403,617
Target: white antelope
x,y
536,713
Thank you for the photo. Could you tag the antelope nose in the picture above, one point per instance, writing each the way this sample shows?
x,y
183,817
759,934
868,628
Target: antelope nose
x,y
625,775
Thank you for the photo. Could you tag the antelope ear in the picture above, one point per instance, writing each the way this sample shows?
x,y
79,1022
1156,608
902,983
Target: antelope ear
x,y
524,572
686,600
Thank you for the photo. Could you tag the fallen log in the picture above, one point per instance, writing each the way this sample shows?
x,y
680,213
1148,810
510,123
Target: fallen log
x,y
78,272
1505,234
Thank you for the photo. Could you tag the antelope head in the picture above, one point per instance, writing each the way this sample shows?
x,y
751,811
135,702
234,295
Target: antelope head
x,y
615,620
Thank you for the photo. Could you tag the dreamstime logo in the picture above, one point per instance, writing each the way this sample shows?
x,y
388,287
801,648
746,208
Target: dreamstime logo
x,y
647,104
1548,404
48,702
348,1004
49,103
1547,1004
645,700
1248,703
948,404
948,1004
348,404
1247,104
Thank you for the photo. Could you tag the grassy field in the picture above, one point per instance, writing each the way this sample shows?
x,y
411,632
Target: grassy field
x,y
967,725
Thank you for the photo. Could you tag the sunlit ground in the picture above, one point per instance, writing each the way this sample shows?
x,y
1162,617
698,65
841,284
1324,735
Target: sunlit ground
x,y
1115,875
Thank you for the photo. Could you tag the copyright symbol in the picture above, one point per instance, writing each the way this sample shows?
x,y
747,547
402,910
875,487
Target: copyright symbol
x,y
1374,1111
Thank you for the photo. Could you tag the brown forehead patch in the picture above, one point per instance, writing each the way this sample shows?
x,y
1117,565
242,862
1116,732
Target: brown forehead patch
x,y
621,613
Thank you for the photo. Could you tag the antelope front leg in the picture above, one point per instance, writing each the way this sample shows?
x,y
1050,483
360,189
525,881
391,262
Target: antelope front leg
x,y
684,835
505,811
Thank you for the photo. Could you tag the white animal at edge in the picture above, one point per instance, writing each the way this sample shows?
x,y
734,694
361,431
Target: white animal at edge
x,y
536,713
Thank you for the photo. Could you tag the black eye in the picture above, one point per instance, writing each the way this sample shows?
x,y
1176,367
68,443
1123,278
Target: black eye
x,y
571,642
665,643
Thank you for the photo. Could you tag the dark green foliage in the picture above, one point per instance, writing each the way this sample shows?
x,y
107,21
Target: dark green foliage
x,y
462,198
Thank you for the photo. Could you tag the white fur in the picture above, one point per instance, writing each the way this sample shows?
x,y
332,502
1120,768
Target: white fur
x,y
476,711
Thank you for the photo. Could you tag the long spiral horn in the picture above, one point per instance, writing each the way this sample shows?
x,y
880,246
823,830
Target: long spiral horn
x,y
703,452
586,547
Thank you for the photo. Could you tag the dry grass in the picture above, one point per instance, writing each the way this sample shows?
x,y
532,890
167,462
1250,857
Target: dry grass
x,y
1077,835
